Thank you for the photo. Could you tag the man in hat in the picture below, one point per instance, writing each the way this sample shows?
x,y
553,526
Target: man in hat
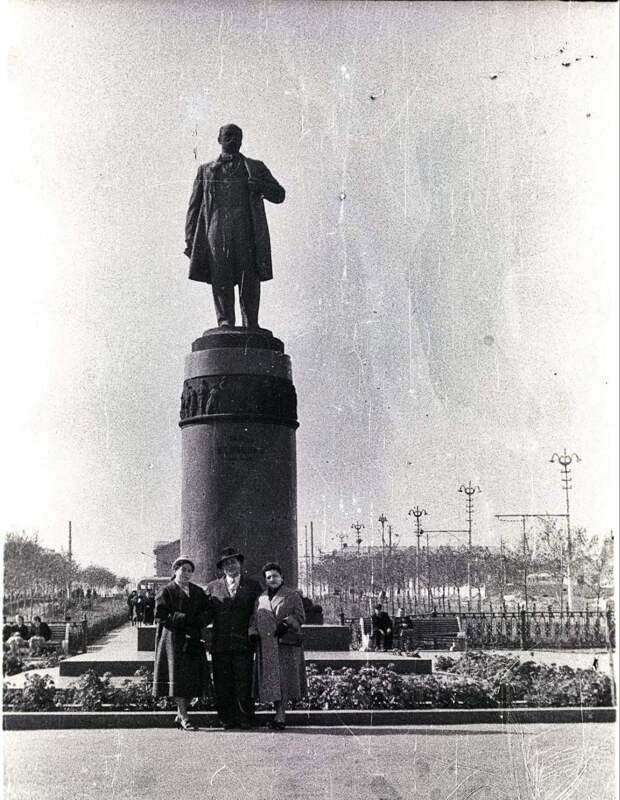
x,y
232,599
226,233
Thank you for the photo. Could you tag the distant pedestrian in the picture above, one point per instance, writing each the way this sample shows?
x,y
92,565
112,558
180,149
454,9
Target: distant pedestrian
x,y
149,607
595,663
130,602
138,608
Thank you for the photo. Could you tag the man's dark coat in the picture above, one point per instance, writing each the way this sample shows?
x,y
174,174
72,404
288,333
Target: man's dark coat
x,y
199,214
231,615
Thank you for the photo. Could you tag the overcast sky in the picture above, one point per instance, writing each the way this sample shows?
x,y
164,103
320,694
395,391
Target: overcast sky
x,y
445,262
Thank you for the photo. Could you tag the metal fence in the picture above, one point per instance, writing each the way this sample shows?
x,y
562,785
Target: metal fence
x,y
513,630
540,629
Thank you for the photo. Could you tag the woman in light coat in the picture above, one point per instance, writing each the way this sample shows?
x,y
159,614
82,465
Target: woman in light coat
x,y
275,627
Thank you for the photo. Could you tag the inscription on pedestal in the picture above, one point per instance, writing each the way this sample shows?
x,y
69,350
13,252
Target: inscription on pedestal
x,y
238,448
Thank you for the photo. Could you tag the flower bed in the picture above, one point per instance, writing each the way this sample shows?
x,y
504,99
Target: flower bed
x,y
476,680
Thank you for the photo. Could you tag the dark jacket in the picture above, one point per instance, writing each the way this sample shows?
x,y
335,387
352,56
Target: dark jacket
x,y
184,615
231,615
180,667
44,631
199,215
381,622
22,630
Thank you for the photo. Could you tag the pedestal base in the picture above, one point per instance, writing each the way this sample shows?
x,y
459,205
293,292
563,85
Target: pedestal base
x,y
238,420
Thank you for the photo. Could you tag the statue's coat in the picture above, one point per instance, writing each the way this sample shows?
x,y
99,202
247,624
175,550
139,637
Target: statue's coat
x,y
199,214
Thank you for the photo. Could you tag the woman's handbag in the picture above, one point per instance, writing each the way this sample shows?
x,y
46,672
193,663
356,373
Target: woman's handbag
x,y
291,638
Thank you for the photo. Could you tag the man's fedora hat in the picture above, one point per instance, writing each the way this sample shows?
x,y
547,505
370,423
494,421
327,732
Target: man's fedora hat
x,y
182,560
229,552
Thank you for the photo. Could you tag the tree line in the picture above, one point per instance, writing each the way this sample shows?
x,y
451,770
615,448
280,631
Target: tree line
x,y
31,570
439,577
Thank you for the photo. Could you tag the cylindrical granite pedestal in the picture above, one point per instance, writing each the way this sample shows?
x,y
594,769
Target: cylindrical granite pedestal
x,y
238,421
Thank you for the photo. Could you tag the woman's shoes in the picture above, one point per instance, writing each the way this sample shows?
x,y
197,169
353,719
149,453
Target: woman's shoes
x,y
276,724
184,724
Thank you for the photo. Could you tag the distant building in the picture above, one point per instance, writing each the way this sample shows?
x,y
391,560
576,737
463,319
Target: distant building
x,y
165,554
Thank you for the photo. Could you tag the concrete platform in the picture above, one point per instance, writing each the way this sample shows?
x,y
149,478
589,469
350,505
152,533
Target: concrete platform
x,y
429,762
328,638
116,653
88,720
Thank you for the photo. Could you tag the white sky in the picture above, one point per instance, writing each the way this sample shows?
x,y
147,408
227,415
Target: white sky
x,y
453,318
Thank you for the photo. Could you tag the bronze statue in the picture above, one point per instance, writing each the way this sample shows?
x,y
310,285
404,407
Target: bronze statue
x,y
226,233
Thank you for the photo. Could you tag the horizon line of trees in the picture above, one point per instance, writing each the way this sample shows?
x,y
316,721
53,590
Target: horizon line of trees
x,y
31,570
431,577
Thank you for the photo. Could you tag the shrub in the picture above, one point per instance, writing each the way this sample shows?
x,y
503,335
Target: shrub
x,y
11,664
511,680
138,694
444,663
90,692
38,694
49,660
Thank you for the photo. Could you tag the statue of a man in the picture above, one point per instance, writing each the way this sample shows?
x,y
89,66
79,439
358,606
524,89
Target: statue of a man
x,y
226,234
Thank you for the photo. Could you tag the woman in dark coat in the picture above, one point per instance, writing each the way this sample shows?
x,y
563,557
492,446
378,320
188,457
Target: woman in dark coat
x,y
181,669
280,669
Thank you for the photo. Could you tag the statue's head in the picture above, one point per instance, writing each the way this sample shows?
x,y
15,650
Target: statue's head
x,y
230,137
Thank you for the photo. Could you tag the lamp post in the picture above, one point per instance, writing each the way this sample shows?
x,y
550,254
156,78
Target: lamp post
x,y
565,460
469,492
342,537
417,512
357,527
383,519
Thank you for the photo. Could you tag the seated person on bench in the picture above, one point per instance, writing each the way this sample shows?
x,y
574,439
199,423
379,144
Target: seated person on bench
x,y
19,635
39,634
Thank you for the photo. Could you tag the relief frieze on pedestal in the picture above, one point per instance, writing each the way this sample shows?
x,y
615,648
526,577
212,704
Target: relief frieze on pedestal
x,y
238,397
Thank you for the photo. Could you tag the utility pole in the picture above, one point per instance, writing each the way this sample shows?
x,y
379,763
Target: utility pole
x,y
428,560
70,543
390,566
469,491
565,460
312,559
417,512
383,519
523,517
503,569
307,571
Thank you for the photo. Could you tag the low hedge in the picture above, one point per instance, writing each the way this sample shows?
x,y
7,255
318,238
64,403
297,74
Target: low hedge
x,y
104,625
474,681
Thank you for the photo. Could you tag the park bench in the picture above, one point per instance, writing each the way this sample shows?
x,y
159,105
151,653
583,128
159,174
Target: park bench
x,y
434,633
58,640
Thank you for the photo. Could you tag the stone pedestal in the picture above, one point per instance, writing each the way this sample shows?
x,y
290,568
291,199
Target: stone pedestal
x,y
238,421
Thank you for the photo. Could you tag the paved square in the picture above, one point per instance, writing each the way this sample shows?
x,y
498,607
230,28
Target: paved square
x,y
486,762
